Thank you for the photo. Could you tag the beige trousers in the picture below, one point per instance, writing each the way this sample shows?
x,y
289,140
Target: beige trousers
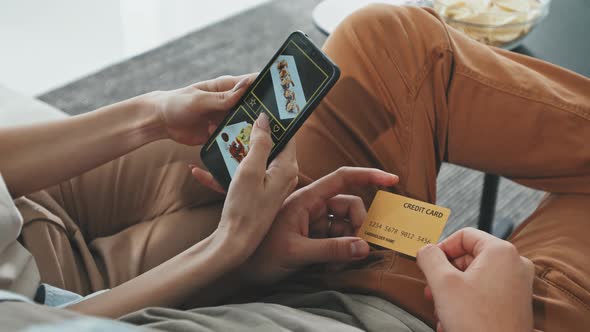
x,y
413,93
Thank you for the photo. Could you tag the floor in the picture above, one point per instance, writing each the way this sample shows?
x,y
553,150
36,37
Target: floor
x,y
46,44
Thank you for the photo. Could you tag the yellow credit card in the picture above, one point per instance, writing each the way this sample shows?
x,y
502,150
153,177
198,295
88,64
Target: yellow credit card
x,y
403,224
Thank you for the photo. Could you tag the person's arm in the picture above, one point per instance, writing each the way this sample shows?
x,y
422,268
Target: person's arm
x,y
40,155
254,198
170,283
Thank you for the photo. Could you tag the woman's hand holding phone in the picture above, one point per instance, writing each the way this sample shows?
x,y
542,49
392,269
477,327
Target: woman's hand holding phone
x,y
256,194
189,115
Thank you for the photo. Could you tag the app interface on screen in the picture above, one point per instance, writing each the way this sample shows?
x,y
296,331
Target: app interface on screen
x,y
283,91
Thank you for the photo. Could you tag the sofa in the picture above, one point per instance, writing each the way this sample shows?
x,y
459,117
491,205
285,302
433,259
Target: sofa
x,y
17,109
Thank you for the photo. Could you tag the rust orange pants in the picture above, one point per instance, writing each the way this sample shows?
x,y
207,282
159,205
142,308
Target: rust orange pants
x,y
413,93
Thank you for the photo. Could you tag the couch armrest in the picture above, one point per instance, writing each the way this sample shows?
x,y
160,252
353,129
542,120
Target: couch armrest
x,y
16,109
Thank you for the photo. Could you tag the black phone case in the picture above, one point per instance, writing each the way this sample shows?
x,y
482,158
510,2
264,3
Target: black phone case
x,y
310,107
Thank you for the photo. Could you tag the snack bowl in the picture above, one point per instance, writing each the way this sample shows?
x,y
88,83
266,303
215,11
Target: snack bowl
x,y
501,23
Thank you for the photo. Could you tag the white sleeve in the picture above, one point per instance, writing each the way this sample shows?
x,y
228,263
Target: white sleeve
x,y
11,221
18,270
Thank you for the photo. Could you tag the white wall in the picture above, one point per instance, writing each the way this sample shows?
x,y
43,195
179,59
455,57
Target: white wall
x,y
45,44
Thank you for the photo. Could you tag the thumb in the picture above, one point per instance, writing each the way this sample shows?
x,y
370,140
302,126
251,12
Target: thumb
x,y
434,264
333,250
260,144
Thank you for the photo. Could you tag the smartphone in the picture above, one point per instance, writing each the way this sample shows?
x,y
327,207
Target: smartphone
x,y
288,89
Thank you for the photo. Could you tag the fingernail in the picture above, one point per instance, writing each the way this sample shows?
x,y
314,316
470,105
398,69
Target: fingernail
x,y
358,248
191,166
428,246
240,84
262,121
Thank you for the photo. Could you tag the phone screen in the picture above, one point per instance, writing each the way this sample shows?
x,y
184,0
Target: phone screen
x,y
298,75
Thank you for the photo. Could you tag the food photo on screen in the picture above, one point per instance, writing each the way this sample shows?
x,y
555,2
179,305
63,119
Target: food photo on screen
x,y
287,87
234,144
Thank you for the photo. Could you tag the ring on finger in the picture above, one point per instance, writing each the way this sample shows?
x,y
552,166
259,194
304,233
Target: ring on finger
x,y
331,219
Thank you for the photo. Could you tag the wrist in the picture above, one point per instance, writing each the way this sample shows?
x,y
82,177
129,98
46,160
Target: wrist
x,y
235,249
150,124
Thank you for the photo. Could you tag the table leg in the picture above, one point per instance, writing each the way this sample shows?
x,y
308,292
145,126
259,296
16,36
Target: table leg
x,y
488,202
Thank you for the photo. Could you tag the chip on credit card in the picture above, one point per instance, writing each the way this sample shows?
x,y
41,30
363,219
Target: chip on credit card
x,y
403,224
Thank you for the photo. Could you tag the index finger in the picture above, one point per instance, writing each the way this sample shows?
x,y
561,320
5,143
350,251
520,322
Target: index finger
x,y
254,163
345,177
467,241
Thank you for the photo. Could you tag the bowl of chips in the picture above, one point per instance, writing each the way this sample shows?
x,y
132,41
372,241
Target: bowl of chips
x,y
501,23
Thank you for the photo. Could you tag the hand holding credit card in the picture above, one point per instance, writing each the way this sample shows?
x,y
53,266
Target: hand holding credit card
x,y
403,224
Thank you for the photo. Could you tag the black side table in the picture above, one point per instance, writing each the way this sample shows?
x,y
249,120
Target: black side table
x,y
561,39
